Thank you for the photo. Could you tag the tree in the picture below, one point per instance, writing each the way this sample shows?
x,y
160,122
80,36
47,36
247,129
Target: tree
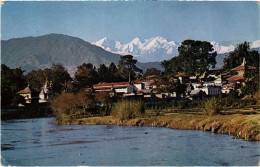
x,y
105,98
252,59
12,81
170,85
85,98
114,74
36,79
126,67
103,73
85,76
236,58
152,71
59,77
194,57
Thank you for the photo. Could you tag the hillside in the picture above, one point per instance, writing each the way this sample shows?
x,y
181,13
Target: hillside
x,y
41,52
33,53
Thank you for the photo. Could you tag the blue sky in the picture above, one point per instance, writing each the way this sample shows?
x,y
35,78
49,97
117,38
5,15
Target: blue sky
x,y
125,20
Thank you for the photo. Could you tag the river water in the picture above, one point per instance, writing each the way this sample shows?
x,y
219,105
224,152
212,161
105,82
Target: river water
x,y
39,142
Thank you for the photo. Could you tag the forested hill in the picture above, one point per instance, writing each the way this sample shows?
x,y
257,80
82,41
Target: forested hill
x,y
41,52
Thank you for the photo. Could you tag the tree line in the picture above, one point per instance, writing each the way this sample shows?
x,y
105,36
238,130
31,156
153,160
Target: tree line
x,y
195,57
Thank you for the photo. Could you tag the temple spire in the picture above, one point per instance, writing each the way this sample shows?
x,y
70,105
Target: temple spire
x,y
244,62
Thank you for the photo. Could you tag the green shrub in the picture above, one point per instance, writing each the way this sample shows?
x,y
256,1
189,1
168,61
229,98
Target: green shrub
x,y
213,106
127,109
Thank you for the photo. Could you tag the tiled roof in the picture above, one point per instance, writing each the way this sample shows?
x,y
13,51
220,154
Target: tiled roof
x,y
243,67
181,75
110,85
228,85
25,91
236,78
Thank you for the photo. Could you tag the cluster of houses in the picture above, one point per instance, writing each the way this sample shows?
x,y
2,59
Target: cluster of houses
x,y
208,84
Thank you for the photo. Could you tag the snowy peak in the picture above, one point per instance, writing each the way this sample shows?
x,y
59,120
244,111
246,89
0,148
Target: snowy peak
x,y
222,49
149,50
108,44
156,48
255,44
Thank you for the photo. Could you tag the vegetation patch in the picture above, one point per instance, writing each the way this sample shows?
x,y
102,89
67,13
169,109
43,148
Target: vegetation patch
x,y
127,109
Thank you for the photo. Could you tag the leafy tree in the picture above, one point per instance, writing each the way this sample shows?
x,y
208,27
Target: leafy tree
x,y
12,81
85,76
36,79
252,59
194,57
103,73
236,58
152,71
126,67
170,85
105,98
85,98
114,74
59,77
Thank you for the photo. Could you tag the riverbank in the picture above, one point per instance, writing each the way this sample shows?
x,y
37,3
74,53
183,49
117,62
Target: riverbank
x,y
28,111
244,126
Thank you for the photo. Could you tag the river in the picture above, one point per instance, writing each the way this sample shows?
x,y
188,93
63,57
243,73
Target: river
x,y
40,142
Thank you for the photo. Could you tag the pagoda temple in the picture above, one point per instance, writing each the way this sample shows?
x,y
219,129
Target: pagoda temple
x,y
240,77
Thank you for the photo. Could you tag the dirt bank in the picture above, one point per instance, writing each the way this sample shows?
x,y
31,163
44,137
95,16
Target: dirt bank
x,y
246,127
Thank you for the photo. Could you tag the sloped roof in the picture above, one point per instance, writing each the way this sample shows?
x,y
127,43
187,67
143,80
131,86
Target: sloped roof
x,y
110,85
25,91
228,85
243,67
181,75
194,92
236,78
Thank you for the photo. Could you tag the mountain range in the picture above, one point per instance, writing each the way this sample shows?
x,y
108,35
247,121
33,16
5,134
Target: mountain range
x,y
156,49
33,53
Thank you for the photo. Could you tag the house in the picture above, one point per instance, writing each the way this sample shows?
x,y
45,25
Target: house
x,y
45,93
196,95
226,88
208,87
211,90
240,78
119,87
27,94
182,77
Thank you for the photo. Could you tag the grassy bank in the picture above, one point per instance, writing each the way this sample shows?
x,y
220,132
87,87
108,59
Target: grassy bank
x,y
243,124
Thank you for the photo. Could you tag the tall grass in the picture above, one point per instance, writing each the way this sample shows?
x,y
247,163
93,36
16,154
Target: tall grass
x,y
127,109
213,106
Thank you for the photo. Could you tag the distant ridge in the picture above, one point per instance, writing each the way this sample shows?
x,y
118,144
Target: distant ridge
x,y
33,53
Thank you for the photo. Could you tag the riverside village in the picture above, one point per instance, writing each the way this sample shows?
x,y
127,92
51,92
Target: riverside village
x,y
130,83
186,91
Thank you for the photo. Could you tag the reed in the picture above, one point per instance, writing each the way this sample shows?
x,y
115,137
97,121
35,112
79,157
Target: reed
x,y
128,109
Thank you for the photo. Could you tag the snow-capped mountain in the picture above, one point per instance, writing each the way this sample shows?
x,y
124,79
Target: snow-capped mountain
x,y
149,50
222,49
255,44
156,48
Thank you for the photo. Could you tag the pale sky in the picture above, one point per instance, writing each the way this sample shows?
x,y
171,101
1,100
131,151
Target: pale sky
x,y
125,20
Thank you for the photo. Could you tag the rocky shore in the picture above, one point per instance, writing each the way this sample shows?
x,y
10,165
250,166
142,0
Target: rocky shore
x,y
241,126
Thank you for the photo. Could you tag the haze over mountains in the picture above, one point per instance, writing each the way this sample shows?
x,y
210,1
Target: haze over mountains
x,y
33,53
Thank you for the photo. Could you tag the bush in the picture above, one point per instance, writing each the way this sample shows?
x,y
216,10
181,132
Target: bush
x,y
127,109
70,105
212,106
